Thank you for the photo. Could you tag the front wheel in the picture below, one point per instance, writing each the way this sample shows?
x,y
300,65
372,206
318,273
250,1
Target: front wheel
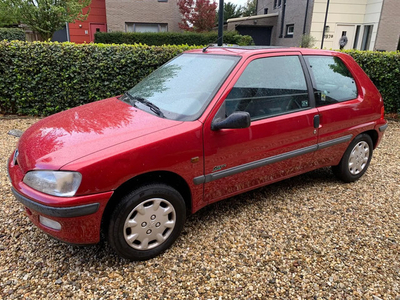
x,y
355,160
146,221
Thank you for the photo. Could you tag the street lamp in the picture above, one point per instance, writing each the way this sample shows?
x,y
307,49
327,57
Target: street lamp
x,y
220,22
326,17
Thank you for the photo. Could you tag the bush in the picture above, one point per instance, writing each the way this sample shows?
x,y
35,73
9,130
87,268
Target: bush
x,y
241,40
307,41
384,70
12,34
43,78
171,38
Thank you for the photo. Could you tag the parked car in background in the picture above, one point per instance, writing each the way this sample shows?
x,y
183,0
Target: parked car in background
x,y
208,125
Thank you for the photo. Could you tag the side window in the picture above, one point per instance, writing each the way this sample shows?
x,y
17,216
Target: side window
x,y
269,86
332,80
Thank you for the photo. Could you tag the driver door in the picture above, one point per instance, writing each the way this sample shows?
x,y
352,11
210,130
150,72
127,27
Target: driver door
x,y
281,138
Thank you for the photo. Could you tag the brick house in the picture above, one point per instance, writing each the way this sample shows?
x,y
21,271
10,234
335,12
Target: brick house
x,y
367,24
389,27
123,15
83,32
142,15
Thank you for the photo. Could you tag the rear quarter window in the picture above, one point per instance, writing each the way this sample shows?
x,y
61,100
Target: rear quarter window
x,y
332,80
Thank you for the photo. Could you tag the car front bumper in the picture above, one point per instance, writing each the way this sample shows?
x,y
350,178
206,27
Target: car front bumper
x,y
78,219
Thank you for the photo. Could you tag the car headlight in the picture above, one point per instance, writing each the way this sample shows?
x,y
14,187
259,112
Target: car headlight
x,y
56,183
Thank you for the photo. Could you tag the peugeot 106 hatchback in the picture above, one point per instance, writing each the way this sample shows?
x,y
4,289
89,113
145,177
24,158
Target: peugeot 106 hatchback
x,y
205,126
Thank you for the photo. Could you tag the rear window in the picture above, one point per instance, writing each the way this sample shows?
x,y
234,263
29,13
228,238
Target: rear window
x,y
332,81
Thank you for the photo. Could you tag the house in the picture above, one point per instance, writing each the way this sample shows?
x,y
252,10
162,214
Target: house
x,y
83,31
122,15
358,24
142,15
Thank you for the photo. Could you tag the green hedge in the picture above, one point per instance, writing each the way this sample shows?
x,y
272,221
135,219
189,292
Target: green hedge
x,y
171,38
42,78
384,70
12,34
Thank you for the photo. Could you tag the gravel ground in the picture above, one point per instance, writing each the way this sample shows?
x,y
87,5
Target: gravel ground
x,y
310,237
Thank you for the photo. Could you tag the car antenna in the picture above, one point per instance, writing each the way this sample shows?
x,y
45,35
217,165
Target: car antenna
x,y
209,45
205,48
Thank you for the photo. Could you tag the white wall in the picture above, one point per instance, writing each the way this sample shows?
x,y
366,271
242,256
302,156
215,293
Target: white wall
x,y
372,17
344,15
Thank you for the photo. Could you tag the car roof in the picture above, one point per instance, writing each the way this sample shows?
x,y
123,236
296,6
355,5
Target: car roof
x,y
246,51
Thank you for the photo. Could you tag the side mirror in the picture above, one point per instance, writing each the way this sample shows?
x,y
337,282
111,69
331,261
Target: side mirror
x,y
238,119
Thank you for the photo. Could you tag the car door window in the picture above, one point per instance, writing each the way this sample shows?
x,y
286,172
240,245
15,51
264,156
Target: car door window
x,y
269,86
332,80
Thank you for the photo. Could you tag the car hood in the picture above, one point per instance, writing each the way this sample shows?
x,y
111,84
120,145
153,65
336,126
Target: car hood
x,y
64,137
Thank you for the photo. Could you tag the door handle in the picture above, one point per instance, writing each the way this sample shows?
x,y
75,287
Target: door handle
x,y
316,121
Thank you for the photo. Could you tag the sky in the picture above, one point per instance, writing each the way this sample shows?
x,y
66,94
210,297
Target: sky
x,y
237,2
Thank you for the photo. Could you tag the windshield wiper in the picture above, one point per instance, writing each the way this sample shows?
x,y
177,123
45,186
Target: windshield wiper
x,y
154,108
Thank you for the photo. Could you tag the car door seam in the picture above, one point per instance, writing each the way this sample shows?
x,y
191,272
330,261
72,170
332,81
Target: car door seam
x,y
269,160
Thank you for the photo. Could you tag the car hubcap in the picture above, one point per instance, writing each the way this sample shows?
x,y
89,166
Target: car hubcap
x,y
149,224
358,158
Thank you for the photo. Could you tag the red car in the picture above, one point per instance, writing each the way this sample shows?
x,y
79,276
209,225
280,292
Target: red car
x,y
207,125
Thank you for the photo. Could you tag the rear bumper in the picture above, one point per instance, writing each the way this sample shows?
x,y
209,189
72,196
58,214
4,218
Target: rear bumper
x,y
383,127
380,128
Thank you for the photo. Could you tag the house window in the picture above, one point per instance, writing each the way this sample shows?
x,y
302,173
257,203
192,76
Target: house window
x,y
265,11
277,3
146,27
357,36
289,30
366,40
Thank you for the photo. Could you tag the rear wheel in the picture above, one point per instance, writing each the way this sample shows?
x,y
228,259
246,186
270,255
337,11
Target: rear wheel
x,y
146,221
355,160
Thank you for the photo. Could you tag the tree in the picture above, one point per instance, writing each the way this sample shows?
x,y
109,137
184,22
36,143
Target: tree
x,y
197,15
250,9
8,14
231,11
47,16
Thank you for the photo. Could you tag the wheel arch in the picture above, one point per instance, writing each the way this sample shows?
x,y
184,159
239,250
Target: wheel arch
x,y
374,136
166,177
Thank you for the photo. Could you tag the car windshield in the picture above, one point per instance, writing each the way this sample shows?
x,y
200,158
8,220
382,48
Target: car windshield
x,y
182,88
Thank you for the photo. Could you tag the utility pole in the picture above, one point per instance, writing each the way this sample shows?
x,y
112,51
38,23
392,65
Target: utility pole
x,y
326,18
221,23
305,17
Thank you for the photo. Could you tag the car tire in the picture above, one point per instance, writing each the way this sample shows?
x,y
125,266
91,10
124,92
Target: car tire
x,y
355,160
146,221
